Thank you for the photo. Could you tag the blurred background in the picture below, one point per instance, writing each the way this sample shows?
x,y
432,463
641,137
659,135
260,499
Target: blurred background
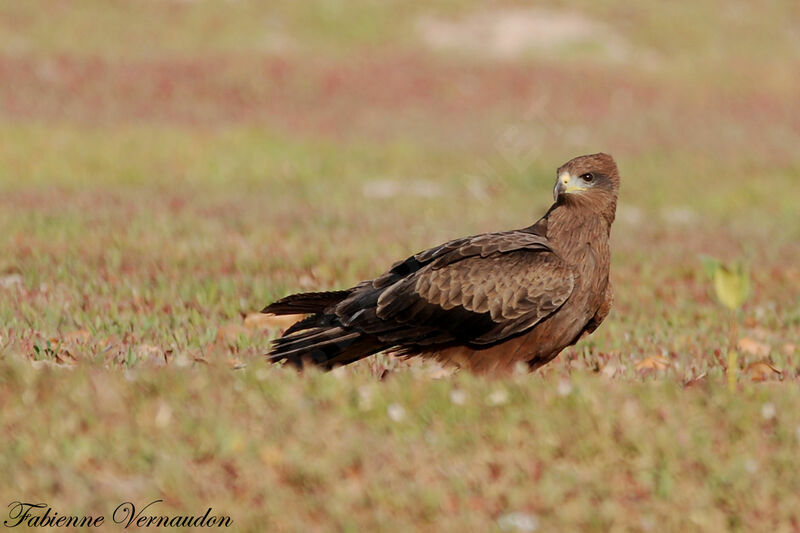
x,y
241,149
168,167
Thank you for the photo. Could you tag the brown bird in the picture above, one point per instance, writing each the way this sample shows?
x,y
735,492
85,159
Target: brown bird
x,y
483,302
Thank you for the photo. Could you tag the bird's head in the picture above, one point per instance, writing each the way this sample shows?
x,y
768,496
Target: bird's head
x,y
589,179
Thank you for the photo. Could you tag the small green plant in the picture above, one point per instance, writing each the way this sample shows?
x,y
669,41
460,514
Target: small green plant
x,y
48,351
732,287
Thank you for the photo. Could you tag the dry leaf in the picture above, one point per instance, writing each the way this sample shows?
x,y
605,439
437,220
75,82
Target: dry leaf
x,y
61,346
80,336
762,371
752,347
655,362
264,321
64,357
236,364
231,332
151,354
697,380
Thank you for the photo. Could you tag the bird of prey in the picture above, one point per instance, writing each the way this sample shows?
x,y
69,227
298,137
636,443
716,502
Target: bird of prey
x,y
485,302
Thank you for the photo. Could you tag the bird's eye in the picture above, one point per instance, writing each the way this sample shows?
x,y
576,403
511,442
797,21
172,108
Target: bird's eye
x,y
587,177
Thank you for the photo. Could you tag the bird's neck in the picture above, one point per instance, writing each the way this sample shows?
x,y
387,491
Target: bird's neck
x,y
599,203
572,227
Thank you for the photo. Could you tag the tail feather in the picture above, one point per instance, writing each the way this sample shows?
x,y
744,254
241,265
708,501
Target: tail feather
x,y
324,346
333,340
304,303
318,320
309,337
321,338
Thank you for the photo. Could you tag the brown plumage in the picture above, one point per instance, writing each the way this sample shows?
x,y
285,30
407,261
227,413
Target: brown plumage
x,y
484,302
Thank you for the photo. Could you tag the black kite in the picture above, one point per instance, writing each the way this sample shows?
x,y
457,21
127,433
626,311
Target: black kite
x,y
484,302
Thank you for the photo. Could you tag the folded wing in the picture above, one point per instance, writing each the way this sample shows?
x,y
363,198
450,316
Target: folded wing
x,y
479,290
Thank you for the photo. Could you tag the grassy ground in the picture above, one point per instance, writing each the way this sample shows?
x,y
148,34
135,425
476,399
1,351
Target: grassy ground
x,y
167,168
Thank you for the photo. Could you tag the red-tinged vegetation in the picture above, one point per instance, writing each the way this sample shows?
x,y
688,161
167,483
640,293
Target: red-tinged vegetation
x,y
171,169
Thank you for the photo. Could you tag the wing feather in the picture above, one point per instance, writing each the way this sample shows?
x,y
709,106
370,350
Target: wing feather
x,y
478,290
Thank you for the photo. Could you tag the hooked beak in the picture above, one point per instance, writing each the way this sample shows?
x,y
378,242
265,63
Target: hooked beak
x,y
565,184
561,185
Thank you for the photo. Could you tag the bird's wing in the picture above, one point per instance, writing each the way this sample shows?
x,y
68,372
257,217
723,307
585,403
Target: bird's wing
x,y
478,290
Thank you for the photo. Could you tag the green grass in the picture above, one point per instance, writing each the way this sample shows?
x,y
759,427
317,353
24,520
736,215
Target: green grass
x,y
166,169
346,452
